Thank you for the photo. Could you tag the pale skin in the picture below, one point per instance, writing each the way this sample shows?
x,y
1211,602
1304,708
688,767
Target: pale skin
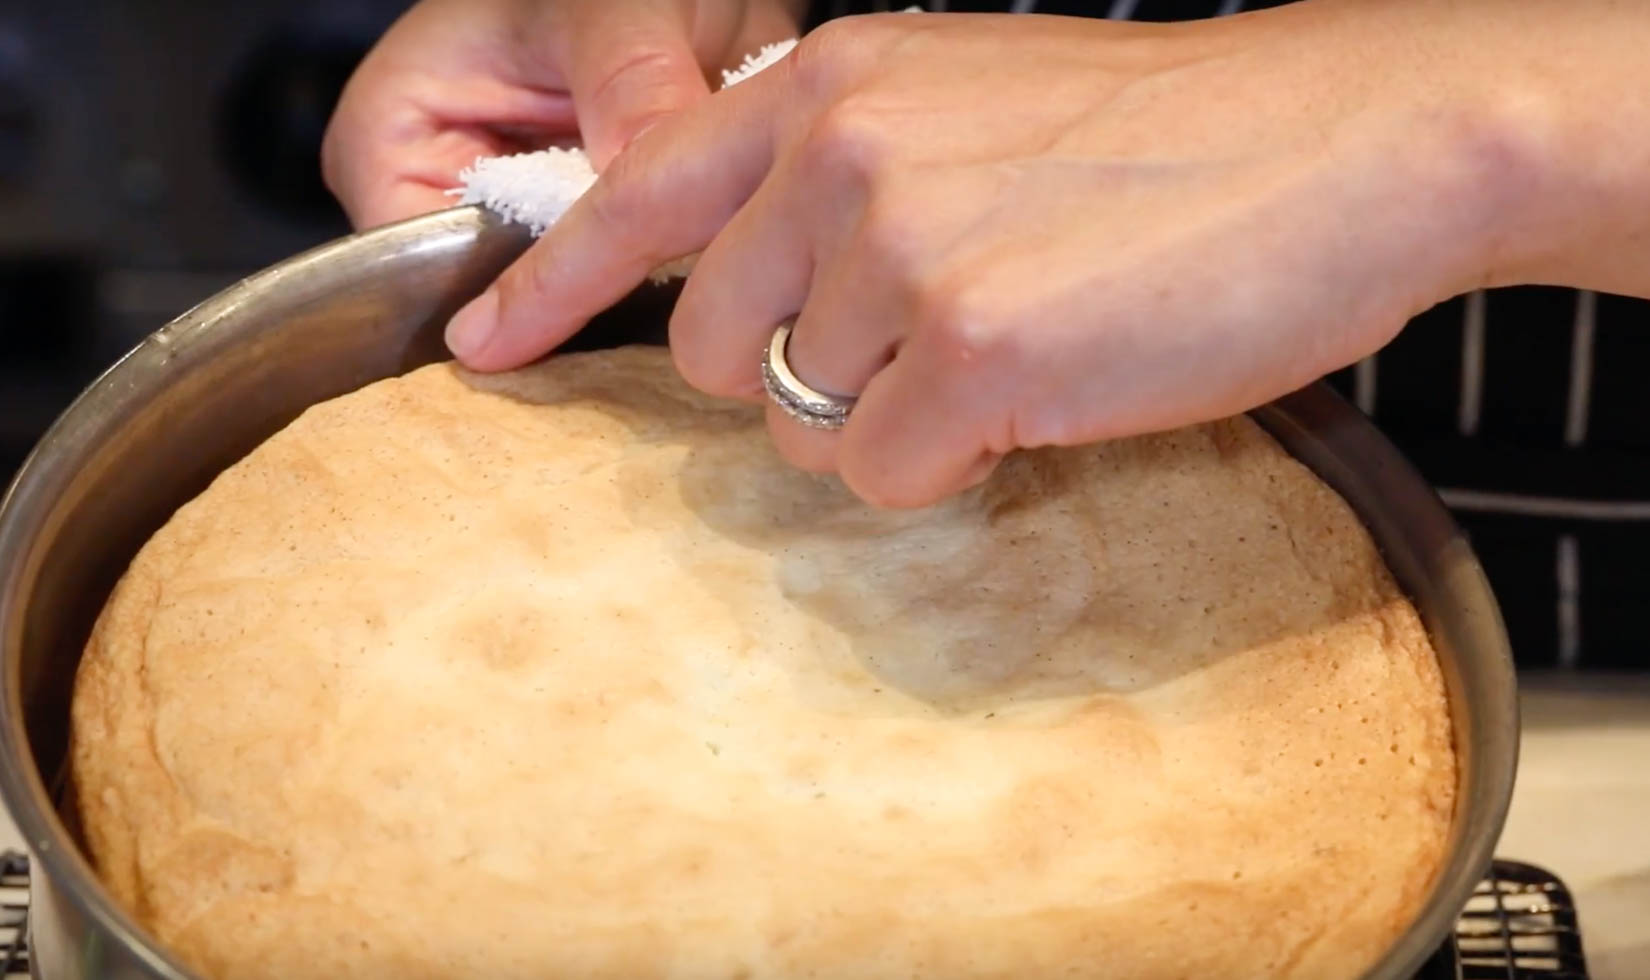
x,y
458,79
1007,232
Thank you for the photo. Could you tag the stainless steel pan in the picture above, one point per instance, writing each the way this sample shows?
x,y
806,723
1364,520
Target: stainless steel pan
x,y
211,385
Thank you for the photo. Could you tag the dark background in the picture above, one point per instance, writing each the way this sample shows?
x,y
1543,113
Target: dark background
x,y
151,153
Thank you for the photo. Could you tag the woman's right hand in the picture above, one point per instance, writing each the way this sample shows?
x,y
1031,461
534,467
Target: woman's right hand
x,y
457,79
1008,232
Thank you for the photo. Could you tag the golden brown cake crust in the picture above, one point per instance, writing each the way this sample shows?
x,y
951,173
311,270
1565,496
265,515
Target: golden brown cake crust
x,y
562,673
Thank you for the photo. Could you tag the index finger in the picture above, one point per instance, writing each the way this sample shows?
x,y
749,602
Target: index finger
x,y
665,197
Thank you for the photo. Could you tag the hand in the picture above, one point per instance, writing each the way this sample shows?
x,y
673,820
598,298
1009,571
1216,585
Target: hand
x,y
1015,232
458,79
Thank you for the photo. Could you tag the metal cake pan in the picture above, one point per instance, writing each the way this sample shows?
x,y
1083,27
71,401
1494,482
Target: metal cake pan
x,y
207,388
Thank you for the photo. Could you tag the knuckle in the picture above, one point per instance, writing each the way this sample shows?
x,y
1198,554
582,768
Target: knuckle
x,y
639,88
828,57
334,156
523,291
644,65
962,329
839,54
976,347
621,201
846,141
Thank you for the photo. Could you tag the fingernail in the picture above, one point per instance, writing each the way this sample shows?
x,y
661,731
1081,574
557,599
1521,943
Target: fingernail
x,y
472,327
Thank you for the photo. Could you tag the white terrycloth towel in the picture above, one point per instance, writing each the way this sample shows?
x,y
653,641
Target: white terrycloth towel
x,y
536,189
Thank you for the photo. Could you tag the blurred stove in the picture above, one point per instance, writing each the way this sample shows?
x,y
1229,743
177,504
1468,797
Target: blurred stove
x,y
150,154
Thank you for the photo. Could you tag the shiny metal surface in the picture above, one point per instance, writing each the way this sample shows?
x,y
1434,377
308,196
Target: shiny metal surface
x,y
210,386
795,398
1430,558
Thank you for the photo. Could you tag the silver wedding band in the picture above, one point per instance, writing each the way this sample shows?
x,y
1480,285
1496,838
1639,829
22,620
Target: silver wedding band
x,y
807,405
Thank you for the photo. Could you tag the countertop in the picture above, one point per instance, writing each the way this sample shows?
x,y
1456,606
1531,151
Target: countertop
x,y
1581,809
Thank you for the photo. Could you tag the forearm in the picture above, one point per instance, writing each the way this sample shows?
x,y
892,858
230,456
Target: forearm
x,y
1564,86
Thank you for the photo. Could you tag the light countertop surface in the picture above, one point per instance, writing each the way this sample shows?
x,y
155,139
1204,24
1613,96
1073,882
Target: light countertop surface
x,y
1581,810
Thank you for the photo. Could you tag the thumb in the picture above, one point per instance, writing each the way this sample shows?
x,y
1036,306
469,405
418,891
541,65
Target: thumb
x,y
628,65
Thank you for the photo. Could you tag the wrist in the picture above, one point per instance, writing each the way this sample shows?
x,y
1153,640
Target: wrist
x,y
1553,134
1571,195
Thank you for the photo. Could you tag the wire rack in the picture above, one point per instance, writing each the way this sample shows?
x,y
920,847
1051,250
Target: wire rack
x,y
14,915
1520,924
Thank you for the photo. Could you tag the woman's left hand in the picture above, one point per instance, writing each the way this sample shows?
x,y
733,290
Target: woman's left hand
x,y
1006,232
